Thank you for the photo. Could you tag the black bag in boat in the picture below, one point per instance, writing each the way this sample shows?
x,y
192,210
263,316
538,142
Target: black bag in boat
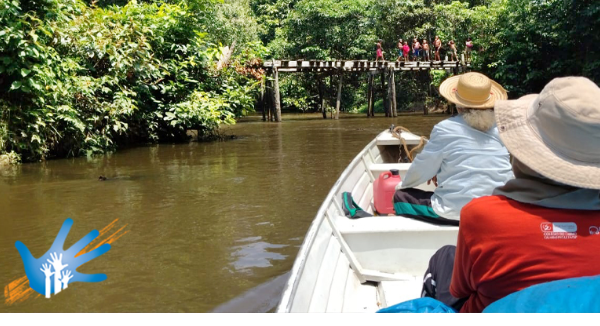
x,y
351,209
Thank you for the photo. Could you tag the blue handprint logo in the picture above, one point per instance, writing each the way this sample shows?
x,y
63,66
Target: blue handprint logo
x,y
39,271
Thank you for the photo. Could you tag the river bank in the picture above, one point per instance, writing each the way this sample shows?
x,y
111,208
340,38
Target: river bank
x,y
9,160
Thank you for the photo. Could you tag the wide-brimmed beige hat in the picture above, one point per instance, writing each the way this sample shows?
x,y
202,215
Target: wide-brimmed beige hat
x,y
556,133
472,90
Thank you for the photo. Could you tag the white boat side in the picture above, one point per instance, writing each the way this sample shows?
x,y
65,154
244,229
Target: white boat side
x,y
362,265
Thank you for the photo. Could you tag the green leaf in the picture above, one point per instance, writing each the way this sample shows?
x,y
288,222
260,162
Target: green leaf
x,y
15,85
170,116
25,72
45,31
35,85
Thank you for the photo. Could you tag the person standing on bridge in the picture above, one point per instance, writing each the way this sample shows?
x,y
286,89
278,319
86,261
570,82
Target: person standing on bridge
x,y
425,50
437,44
399,46
468,48
379,53
406,50
453,55
464,155
417,49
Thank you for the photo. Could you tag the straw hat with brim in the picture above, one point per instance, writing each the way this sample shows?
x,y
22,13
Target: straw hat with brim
x,y
556,133
472,90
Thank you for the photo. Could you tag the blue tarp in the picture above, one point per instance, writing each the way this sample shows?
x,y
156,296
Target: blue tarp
x,y
574,295
420,305
563,296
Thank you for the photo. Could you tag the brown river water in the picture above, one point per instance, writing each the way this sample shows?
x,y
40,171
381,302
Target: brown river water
x,y
206,226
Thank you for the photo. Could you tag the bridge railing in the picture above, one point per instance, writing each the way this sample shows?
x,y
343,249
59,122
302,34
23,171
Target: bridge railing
x,y
360,65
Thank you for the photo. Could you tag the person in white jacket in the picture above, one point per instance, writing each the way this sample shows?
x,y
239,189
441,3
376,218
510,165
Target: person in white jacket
x,y
464,156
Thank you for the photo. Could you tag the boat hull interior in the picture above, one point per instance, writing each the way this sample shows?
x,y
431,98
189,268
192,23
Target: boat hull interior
x,y
365,264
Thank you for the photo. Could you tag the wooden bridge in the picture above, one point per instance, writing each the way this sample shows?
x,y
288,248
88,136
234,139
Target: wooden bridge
x,y
270,101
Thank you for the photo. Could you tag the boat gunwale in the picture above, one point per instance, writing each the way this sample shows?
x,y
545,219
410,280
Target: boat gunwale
x,y
300,261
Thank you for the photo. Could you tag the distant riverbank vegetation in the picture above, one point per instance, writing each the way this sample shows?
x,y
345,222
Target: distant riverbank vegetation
x,y
80,77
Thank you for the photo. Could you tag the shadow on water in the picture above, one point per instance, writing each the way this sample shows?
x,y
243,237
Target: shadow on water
x,y
262,298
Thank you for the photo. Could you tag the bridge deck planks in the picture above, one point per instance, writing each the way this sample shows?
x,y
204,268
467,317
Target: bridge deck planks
x,y
359,65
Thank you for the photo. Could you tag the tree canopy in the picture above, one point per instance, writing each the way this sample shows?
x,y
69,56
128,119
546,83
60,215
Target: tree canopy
x,y
85,76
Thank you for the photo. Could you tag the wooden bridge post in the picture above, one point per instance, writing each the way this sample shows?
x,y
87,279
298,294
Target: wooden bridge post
x,y
271,103
321,98
262,99
400,82
338,103
323,106
268,95
428,80
276,96
370,96
392,83
383,93
389,94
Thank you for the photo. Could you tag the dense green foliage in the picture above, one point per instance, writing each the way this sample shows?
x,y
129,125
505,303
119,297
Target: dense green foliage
x,y
535,41
522,44
78,78
85,76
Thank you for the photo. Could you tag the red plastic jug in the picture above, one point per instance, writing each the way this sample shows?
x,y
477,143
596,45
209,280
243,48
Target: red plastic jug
x,y
383,191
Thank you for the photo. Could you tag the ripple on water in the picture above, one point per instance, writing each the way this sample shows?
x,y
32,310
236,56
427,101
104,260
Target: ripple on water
x,y
255,254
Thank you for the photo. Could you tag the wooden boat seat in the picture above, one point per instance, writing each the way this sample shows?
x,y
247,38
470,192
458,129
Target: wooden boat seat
x,y
386,138
378,224
371,243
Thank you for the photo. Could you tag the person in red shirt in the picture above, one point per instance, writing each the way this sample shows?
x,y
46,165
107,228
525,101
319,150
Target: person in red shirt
x,y
405,50
542,226
379,52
